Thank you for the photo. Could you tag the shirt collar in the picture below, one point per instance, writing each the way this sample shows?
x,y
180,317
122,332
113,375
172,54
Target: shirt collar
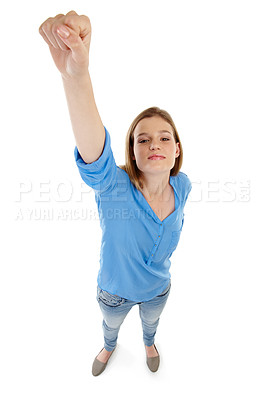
x,y
147,208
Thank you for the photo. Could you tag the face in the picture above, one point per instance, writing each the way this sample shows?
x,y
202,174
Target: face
x,y
155,136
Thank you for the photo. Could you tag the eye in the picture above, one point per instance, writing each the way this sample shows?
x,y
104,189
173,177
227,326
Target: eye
x,y
146,140
143,140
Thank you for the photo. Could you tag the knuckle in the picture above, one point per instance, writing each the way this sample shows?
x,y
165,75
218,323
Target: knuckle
x,y
69,20
72,12
86,20
46,26
59,15
49,21
85,17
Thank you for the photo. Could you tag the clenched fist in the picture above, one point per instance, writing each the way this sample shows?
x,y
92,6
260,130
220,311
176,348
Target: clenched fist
x,y
68,37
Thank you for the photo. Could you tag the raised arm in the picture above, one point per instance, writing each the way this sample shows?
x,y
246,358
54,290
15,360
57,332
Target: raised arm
x,y
68,37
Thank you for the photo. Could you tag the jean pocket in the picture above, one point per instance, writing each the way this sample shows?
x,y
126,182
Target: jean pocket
x,y
111,300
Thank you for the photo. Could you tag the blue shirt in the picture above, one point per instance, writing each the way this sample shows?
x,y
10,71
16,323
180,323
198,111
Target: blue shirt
x,y
136,245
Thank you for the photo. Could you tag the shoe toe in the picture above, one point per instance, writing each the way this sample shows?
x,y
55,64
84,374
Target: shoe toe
x,y
98,367
153,363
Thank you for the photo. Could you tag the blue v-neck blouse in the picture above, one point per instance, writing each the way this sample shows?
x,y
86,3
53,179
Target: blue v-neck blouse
x,y
136,245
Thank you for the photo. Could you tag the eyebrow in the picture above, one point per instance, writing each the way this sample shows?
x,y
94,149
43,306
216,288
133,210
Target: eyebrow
x,y
161,131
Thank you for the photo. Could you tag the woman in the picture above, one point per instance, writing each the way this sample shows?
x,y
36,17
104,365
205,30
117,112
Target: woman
x,y
140,204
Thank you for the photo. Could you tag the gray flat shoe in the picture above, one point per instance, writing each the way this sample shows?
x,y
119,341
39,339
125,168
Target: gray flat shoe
x,y
98,367
153,362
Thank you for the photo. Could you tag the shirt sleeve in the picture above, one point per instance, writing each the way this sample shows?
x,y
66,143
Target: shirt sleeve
x,y
188,190
185,187
100,174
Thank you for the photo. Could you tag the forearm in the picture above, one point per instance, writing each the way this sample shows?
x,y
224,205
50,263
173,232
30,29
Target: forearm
x,y
85,119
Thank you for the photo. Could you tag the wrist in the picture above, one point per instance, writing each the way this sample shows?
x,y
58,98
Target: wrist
x,y
75,79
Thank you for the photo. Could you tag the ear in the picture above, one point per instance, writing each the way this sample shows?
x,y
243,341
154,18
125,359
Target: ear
x,y
177,153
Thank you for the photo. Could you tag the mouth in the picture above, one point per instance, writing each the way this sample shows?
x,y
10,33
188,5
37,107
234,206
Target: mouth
x,y
156,157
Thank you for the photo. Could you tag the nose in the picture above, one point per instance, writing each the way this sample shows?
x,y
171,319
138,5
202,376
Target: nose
x,y
154,145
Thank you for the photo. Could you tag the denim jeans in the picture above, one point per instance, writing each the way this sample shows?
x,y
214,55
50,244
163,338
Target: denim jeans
x,y
115,309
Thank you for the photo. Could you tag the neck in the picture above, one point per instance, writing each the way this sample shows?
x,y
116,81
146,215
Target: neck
x,y
156,188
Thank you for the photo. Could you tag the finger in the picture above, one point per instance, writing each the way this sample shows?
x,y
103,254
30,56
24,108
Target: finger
x,y
58,39
80,24
73,41
45,31
48,32
44,37
56,22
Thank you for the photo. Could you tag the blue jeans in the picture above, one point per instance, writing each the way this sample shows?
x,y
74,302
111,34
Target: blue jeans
x,y
115,309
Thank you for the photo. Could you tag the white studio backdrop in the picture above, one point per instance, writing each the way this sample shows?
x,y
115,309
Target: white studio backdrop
x,y
204,62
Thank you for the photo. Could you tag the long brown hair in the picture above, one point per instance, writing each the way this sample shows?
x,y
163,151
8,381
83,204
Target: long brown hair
x,y
130,165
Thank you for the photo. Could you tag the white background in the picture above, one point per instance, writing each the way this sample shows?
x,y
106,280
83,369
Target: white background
x,y
204,62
